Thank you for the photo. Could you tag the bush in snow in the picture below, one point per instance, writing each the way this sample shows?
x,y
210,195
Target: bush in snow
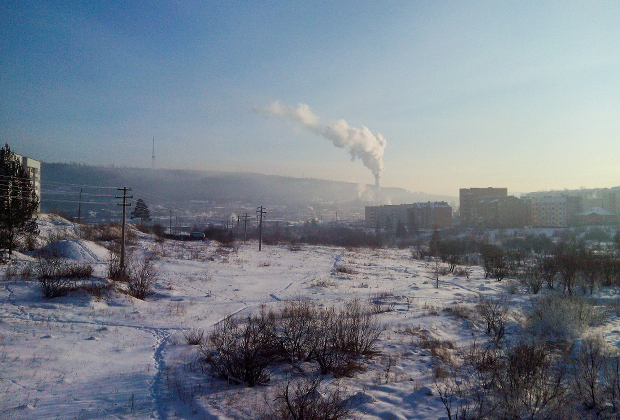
x,y
306,399
561,319
523,382
529,383
494,313
141,277
241,350
194,336
115,272
345,336
298,330
588,365
56,276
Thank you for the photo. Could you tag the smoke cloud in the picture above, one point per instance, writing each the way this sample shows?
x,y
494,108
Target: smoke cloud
x,y
360,142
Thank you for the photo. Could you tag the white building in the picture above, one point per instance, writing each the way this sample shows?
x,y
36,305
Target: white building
x,y
554,211
33,168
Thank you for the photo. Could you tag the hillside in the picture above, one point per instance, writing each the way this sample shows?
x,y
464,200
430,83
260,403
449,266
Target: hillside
x,y
178,189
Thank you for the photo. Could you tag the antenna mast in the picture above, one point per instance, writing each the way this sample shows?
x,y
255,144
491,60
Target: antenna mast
x,y
153,152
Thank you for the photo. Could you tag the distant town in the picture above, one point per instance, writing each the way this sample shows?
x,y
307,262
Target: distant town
x,y
490,208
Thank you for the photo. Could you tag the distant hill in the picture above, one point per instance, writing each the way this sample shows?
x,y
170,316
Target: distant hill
x,y
179,188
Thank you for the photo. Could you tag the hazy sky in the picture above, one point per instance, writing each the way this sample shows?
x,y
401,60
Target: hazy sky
x,y
524,95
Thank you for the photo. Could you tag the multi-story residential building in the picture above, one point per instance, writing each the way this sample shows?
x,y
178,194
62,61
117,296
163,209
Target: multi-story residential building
x,y
387,216
414,216
469,199
501,213
555,211
437,215
33,168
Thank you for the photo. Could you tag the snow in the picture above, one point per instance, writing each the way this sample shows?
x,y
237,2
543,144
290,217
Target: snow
x,y
117,357
77,250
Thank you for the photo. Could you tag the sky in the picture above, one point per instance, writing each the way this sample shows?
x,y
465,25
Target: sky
x,y
523,94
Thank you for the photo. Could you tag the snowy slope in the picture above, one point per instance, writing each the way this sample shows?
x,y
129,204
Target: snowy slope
x,y
122,358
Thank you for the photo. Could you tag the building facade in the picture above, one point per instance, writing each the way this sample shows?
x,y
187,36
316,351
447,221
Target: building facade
x,y
555,211
469,200
437,215
596,217
501,213
33,168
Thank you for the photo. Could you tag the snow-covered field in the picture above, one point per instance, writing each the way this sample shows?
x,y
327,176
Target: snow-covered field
x,y
117,357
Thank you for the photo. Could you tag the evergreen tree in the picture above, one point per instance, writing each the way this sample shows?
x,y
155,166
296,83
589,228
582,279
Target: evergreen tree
x,y
141,211
18,201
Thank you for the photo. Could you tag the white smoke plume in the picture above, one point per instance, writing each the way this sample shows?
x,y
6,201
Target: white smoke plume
x,y
360,142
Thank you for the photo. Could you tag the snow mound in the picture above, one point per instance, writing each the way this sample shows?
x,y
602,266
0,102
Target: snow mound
x,y
54,225
78,250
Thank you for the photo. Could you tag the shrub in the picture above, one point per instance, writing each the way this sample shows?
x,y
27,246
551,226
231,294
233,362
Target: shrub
x,y
52,287
241,350
528,383
382,302
523,382
611,381
115,272
532,279
298,330
56,276
494,313
77,271
141,278
305,399
344,337
461,393
588,365
194,336
560,319
343,269
96,290
27,271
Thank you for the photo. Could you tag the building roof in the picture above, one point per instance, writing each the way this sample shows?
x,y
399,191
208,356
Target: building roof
x,y
597,211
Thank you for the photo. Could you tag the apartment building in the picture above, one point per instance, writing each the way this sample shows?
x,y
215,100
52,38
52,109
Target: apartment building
x,y
555,211
33,168
469,200
415,216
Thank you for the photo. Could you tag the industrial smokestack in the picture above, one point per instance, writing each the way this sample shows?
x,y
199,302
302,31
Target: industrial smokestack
x,y
360,142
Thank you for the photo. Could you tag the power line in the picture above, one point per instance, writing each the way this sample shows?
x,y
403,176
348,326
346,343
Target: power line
x,y
51,192
78,185
103,203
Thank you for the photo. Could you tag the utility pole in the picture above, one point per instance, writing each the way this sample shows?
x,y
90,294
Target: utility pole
x,y
80,208
125,204
245,218
170,229
260,212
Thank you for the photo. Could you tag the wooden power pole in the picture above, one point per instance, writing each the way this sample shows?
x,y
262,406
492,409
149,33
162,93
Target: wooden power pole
x,y
260,212
125,204
245,218
80,208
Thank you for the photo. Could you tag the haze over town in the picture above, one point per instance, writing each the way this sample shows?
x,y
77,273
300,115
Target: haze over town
x,y
426,96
